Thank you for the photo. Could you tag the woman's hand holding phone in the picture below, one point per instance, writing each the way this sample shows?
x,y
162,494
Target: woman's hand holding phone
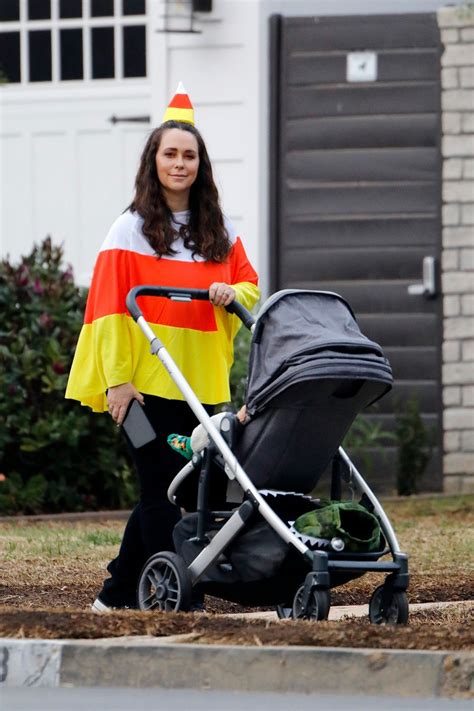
x,y
119,398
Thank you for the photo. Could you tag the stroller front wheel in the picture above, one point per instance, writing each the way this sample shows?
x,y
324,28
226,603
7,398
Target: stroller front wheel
x,y
392,611
317,608
164,584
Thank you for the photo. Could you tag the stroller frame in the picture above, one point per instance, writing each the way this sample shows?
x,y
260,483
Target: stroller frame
x,y
388,603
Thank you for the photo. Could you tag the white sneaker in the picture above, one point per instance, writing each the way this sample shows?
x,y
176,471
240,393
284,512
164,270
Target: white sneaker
x,y
99,607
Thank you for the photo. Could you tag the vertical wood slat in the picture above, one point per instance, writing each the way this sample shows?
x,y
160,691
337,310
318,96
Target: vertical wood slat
x,y
275,60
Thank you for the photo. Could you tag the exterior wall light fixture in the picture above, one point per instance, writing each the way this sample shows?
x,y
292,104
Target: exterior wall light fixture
x,y
179,15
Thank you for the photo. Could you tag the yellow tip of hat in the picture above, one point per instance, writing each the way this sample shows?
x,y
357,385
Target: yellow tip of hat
x,y
180,107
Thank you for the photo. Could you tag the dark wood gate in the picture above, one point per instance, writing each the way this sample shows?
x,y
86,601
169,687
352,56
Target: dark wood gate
x,y
356,189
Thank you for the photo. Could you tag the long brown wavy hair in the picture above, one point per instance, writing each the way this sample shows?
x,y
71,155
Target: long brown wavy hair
x,y
205,234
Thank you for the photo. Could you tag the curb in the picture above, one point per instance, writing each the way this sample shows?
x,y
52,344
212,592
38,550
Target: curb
x,y
147,662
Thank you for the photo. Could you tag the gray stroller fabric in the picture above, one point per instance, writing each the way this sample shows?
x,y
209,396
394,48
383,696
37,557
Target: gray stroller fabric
x,y
306,335
311,371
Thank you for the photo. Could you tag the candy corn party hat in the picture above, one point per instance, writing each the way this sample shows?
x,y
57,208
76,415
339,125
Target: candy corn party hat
x,y
180,107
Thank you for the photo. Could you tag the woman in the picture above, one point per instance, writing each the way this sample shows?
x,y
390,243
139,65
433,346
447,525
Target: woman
x,y
173,234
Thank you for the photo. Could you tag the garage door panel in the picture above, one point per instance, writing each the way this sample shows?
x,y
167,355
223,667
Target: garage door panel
x,y
414,363
408,164
391,297
351,99
337,231
354,264
387,31
387,421
400,329
402,393
371,131
360,199
318,67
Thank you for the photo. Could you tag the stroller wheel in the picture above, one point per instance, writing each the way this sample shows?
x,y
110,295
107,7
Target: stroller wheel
x,y
395,611
284,612
318,605
164,584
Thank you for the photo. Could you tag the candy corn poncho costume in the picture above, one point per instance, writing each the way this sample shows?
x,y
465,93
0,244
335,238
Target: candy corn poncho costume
x,y
112,350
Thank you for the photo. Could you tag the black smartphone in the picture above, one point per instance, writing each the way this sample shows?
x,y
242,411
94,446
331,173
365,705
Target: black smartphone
x,y
137,425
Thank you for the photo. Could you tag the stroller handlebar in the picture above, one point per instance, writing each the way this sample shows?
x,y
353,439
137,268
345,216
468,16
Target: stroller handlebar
x,y
245,316
180,294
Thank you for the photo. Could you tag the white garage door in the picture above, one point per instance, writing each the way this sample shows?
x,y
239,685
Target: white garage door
x,y
68,67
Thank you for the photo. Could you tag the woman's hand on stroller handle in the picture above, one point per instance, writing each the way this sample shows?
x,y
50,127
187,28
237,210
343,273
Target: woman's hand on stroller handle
x,y
221,294
180,294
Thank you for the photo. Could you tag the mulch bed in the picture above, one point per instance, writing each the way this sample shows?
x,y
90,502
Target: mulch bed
x,y
62,611
423,588
427,630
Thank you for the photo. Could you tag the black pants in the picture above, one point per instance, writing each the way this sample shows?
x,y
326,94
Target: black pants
x,y
150,526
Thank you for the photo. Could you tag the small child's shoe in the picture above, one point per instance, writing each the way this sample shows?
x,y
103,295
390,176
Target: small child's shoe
x,y
181,444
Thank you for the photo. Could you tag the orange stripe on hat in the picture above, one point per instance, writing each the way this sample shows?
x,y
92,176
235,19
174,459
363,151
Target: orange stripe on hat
x,y
180,101
180,107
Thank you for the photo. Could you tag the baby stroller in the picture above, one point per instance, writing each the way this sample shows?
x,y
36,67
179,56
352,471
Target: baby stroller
x,y
311,371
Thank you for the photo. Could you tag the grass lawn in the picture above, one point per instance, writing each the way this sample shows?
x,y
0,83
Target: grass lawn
x,y
70,557
437,533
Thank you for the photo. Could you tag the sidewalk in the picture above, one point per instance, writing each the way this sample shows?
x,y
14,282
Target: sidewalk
x,y
337,612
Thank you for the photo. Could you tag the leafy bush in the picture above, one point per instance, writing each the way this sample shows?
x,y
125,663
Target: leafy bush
x,y
363,436
415,445
238,374
54,454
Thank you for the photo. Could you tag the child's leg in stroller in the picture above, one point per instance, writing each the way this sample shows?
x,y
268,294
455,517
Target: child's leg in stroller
x,y
198,440
181,444
151,524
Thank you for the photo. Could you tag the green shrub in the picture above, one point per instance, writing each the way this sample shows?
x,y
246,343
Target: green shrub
x,y
54,454
363,436
415,445
238,374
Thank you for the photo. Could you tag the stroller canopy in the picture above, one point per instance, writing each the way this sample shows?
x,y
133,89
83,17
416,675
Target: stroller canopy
x,y
309,335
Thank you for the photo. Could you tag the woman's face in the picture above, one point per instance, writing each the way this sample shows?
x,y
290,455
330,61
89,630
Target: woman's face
x,y
177,161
